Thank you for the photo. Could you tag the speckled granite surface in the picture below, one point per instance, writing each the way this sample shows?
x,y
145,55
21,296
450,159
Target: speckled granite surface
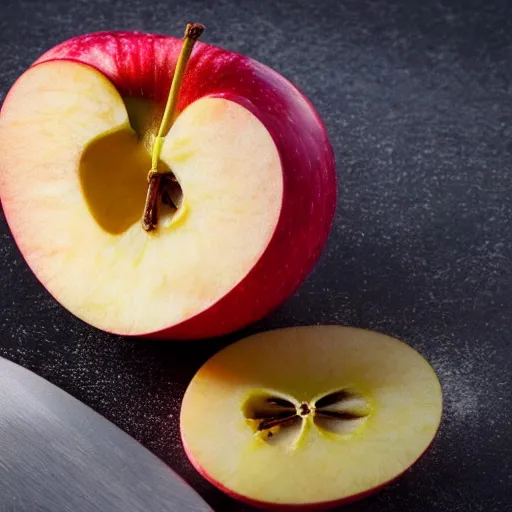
x,y
418,103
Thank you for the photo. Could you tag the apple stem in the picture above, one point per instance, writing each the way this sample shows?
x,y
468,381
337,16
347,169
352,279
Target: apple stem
x,y
150,217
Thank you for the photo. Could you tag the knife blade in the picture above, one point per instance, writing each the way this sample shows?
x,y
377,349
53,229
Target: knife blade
x,y
58,455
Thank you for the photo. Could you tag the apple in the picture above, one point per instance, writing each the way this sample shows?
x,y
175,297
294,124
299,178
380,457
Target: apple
x,y
241,193
311,417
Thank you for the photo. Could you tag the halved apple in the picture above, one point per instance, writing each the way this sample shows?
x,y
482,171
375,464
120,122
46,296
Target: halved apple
x,y
246,206
310,416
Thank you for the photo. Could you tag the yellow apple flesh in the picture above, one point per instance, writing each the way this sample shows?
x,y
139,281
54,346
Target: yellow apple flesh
x,y
310,416
74,182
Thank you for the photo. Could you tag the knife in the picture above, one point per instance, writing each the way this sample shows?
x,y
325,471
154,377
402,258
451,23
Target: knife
x,y
58,455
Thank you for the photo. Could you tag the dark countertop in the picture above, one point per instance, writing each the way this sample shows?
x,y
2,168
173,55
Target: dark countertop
x,y
417,100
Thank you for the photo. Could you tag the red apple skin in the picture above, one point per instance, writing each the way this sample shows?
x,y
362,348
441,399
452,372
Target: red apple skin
x,y
140,64
319,506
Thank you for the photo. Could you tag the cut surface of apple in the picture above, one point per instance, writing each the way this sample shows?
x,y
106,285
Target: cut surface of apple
x,y
88,203
244,212
310,416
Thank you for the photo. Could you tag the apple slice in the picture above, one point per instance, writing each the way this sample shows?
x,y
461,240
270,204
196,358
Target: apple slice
x,y
241,172
310,416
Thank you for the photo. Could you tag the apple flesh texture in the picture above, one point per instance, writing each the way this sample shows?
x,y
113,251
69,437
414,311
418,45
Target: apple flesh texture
x,y
98,254
285,182
392,407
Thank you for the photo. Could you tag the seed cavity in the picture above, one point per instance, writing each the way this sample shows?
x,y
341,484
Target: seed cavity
x,y
272,417
341,412
333,398
279,420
